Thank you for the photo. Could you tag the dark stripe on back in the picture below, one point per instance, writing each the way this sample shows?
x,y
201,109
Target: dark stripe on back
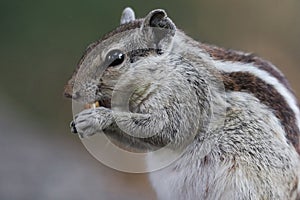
x,y
218,53
268,95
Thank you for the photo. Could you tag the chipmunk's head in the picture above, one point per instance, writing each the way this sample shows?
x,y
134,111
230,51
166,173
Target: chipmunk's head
x,y
134,43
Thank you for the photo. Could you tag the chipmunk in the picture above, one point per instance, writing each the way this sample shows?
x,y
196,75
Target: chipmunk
x,y
237,111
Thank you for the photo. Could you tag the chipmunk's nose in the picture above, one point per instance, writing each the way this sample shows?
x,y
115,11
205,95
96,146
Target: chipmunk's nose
x,y
68,92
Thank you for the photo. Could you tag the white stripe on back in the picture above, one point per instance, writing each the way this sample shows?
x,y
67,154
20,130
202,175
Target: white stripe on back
x,y
230,67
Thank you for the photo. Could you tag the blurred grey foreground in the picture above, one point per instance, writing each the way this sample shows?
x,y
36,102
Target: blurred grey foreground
x,y
37,164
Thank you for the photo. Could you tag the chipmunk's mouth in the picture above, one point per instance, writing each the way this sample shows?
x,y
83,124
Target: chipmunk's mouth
x,y
92,105
106,102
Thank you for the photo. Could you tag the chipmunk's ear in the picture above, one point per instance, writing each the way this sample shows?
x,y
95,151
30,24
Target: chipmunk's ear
x,y
127,16
158,19
161,27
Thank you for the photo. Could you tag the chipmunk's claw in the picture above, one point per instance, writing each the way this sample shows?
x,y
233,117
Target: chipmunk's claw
x,y
73,128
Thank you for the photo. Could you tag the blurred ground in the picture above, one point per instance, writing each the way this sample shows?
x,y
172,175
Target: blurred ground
x,y
37,164
41,42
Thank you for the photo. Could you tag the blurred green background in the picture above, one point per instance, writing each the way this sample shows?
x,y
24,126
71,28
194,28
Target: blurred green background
x,y
40,45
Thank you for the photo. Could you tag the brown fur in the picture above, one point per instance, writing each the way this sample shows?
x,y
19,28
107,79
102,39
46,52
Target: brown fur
x,y
246,82
218,53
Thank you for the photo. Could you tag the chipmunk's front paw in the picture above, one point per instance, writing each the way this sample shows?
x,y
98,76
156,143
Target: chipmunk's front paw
x,y
91,121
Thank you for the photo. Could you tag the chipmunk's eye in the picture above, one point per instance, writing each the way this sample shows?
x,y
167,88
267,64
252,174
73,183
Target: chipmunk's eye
x,y
114,58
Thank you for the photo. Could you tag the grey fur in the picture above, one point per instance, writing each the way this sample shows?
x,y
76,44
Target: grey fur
x,y
127,16
238,148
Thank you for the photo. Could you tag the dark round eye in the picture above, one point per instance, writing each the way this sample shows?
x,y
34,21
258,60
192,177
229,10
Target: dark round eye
x,y
114,58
